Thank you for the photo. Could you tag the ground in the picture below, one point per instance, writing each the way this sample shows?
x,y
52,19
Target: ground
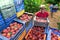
x,y
54,20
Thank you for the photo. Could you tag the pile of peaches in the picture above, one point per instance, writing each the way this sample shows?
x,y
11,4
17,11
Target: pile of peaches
x,y
25,17
11,30
36,33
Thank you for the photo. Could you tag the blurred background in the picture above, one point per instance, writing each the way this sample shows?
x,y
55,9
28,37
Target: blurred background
x,y
32,6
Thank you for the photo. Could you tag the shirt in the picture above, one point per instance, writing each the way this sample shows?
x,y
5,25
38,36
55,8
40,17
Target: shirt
x,y
42,15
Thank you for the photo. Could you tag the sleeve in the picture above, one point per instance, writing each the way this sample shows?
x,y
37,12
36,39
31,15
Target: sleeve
x,y
37,13
47,14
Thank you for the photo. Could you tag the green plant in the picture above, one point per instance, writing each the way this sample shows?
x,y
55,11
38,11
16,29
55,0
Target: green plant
x,y
58,26
50,1
32,5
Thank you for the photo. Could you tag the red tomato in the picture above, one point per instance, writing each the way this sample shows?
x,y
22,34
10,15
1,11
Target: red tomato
x,y
8,35
33,38
15,23
21,18
8,28
39,39
5,30
20,25
11,24
12,30
4,34
13,33
12,27
23,15
26,17
53,39
15,29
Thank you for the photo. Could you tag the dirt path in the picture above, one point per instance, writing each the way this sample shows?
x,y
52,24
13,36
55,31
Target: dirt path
x,y
54,20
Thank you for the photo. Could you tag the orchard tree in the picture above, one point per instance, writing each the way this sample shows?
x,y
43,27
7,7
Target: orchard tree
x,y
32,5
53,1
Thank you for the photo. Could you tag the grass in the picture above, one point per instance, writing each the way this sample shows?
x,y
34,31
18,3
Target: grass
x,y
58,26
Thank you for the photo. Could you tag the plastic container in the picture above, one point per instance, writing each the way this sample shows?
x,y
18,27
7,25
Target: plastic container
x,y
8,12
2,23
19,7
1,20
34,35
10,19
17,33
6,3
55,31
18,2
44,24
40,24
25,23
49,35
30,25
22,35
2,27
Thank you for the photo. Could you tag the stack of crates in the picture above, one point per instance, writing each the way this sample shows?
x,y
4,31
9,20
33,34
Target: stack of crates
x,y
19,5
16,35
2,23
52,32
28,24
7,10
7,16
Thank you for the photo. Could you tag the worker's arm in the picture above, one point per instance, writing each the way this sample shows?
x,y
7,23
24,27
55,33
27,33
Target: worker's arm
x,y
37,13
48,20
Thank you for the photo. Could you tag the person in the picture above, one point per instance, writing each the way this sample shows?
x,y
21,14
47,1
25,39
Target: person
x,y
51,10
56,7
42,13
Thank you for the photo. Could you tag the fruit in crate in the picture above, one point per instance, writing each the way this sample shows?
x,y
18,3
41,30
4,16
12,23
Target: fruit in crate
x,y
55,30
4,34
36,33
11,30
54,36
40,19
25,17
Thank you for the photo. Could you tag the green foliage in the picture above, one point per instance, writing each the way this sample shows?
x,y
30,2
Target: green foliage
x,y
58,26
50,1
32,5
53,1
